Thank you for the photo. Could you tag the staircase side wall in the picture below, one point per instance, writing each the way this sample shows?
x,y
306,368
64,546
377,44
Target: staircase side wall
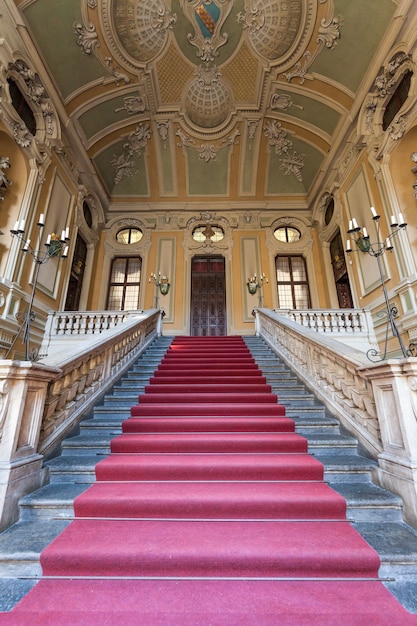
x,y
377,403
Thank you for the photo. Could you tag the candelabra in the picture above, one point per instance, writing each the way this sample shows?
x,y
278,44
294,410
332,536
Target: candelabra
x,y
254,283
161,285
376,250
54,247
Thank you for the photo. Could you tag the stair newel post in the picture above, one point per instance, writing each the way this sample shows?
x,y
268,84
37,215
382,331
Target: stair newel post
x,y
394,385
23,389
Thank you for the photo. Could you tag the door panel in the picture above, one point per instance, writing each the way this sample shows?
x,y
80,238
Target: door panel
x,y
208,297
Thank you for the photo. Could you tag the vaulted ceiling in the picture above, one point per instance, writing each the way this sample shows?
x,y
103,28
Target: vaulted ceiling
x,y
244,103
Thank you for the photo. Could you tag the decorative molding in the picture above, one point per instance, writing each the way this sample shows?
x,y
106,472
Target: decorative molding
x,y
329,32
283,102
4,180
385,83
125,164
132,105
397,128
207,152
87,37
291,161
300,69
36,93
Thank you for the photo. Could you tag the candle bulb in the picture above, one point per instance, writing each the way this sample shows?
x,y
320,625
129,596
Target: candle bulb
x,y
374,213
355,223
26,246
393,221
67,233
48,240
401,219
350,225
65,253
16,227
41,221
63,235
388,244
21,227
365,233
348,248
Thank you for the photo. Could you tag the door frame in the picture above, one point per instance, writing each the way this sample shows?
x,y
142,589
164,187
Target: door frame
x,y
191,249
208,256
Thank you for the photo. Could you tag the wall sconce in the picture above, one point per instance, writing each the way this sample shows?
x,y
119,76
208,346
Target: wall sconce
x,y
376,250
162,285
253,284
54,247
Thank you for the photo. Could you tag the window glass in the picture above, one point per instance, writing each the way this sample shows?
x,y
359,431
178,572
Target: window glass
x,y
129,235
398,98
202,233
329,211
124,287
21,106
292,282
287,234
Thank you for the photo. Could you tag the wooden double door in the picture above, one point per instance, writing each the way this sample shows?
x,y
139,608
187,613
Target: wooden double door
x,y
208,296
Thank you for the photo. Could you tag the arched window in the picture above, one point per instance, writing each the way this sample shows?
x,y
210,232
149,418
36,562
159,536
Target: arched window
x,y
21,106
208,232
287,234
398,98
124,284
129,235
87,214
292,282
329,211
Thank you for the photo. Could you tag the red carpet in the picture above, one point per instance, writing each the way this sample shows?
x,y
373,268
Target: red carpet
x,y
209,511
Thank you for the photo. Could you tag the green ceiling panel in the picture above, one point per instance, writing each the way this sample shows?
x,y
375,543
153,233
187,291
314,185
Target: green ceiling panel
x,y
312,111
104,114
361,33
208,178
135,185
281,183
71,67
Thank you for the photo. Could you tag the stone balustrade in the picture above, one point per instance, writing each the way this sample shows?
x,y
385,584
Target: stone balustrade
x,y
41,402
375,402
352,326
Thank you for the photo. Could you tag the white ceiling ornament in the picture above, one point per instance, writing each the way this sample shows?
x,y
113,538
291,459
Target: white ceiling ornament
x,y
208,100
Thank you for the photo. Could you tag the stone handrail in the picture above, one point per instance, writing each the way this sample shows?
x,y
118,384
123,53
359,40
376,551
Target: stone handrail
x,y
78,325
41,402
330,369
375,402
88,373
352,326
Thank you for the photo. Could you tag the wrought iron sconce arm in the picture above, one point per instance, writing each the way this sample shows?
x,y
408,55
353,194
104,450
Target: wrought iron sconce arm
x,y
377,249
54,247
254,283
162,285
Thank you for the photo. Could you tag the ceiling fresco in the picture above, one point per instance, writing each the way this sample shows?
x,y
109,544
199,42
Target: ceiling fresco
x,y
183,100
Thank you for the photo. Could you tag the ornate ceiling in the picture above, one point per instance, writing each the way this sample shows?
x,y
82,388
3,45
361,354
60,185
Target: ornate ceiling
x,y
242,103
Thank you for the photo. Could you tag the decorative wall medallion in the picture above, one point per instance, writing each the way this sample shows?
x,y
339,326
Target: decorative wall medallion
x,y
207,19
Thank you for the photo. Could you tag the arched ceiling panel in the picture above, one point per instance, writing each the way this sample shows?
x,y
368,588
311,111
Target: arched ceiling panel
x,y
210,83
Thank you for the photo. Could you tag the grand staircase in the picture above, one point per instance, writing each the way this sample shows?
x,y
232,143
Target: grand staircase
x,y
376,514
